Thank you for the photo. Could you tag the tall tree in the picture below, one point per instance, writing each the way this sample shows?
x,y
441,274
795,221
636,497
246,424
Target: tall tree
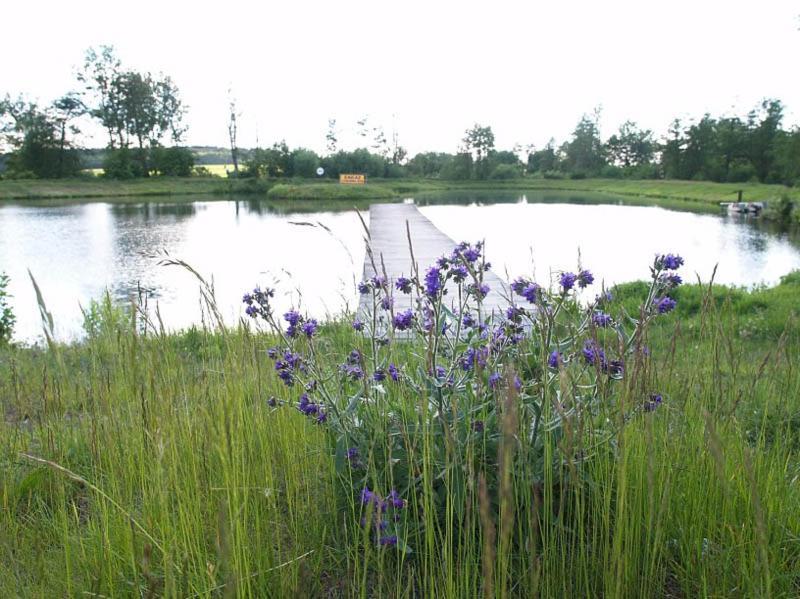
x,y
631,146
233,129
584,152
765,124
479,142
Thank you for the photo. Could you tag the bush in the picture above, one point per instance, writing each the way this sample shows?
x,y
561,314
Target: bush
x,y
505,171
172,162
457,168
124,163
553,175
610,171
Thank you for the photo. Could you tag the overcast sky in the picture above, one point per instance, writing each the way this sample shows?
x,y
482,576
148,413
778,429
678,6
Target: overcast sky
x,y
528,69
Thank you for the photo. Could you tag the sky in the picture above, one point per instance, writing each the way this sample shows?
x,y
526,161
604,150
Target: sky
x,y
429,69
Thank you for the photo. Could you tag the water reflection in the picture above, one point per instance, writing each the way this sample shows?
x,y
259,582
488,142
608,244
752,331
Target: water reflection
x,y
314,250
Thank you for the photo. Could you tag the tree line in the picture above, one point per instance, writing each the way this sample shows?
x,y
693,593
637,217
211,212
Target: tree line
x,y
138,110
142,112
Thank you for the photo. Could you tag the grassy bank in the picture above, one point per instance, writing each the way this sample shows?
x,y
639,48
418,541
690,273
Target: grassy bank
x,y
98,188
142,465
655,191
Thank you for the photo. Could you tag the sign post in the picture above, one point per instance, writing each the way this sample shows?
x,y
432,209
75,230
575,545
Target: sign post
x,y
351,179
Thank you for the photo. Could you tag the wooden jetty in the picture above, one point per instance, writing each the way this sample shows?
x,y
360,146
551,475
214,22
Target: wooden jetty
x,y
389,243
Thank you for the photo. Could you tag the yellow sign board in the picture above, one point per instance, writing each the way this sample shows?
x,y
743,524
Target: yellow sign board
x,y
352,179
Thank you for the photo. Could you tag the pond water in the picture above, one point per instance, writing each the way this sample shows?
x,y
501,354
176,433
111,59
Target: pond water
x,y
76,251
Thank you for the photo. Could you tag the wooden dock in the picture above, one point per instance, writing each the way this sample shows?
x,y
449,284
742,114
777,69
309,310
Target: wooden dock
x,y
388,239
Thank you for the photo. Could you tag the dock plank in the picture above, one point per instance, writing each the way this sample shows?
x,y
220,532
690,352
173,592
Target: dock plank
x,y
389,243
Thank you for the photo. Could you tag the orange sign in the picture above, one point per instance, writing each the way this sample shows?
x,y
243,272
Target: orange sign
x,y
352,179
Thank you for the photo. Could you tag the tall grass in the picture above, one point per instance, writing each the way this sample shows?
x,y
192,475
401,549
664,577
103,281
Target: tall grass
x,y
146,464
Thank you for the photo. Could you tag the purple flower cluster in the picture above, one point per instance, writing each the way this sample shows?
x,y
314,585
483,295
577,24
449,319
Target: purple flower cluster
x,y
585,278
470,253
352,368
258,302
664,304
358,325
394,373
555,360
474,356
299,324
433,281
380,508
601,319
309,408
494,380
567,280
526,289
479,290
593,354
287,365
652,403
669,262
387,301
403,320
403,284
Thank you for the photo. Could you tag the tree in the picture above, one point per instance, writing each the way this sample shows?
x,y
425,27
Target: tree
x,y
672,151
479,142
66,109
584,153
764,123
630,146
132,106
233,118
37,139
544,160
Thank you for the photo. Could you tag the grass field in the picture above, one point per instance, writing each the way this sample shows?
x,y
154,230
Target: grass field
x,y
145,464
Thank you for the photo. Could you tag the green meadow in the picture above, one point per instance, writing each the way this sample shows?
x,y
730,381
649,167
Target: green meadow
x,y
141,463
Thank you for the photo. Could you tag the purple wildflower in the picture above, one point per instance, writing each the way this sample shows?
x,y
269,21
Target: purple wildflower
x,y
394,498
479,290
593,354
665,304
460,273
403,284
387,302
530,292
388,541
669,261
272,352
378,281
554,360
379,375
433,281
393,372
358,325
568,280
585,278
652,403
309,327
494,379
601,319
468,320
478,426
403,320
519,284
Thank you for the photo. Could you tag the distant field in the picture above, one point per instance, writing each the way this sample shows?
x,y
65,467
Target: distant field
x,y
218,170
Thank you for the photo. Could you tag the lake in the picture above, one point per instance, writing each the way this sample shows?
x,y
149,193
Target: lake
x,y
314,257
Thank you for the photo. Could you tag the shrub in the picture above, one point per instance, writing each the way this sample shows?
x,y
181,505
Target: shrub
x,y
172,162
304,163
553,175
124,163
505,171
